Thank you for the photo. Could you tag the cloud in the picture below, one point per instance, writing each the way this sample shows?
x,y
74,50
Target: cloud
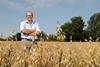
x,y
10,4
77,1
35,4
28,4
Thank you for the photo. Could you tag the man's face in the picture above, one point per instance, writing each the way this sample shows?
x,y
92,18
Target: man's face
x,y
29,16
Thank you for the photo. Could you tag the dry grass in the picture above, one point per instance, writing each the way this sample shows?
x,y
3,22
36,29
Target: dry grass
x,y
51,54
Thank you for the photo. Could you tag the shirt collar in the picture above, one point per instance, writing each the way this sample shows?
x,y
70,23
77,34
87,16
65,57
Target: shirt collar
x,y
33,22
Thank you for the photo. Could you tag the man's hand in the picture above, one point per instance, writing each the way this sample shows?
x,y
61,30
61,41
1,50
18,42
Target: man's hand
x,y
34,33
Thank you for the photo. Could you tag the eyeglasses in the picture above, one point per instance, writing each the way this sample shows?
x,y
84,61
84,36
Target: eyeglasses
x,y
29,15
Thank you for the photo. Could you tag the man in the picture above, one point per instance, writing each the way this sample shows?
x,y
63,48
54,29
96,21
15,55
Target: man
x,y
29,29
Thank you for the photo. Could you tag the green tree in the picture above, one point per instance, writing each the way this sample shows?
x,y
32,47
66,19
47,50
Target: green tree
x,y
77,28
67,29
74,28
18,36
94,26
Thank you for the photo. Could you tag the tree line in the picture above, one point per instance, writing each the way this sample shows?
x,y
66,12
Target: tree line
x,y
74,30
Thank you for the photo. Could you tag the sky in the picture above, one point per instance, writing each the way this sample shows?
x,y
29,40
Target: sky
x,y
46,13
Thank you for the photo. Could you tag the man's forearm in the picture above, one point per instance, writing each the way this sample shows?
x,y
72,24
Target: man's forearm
x,y
27,31
34,33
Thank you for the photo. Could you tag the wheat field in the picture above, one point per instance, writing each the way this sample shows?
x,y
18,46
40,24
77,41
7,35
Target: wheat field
x,y
50,54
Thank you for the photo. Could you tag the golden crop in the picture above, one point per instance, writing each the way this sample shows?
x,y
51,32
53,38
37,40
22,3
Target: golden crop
x,y
51,54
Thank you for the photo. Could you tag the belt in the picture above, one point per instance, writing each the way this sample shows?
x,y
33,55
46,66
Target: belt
x,y
26,39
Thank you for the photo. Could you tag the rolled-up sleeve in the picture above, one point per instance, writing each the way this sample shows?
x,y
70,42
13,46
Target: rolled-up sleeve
x,y
22,25
38,28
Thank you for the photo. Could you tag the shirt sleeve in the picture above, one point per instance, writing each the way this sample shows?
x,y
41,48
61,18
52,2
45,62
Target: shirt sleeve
x,y
22,25
38,28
